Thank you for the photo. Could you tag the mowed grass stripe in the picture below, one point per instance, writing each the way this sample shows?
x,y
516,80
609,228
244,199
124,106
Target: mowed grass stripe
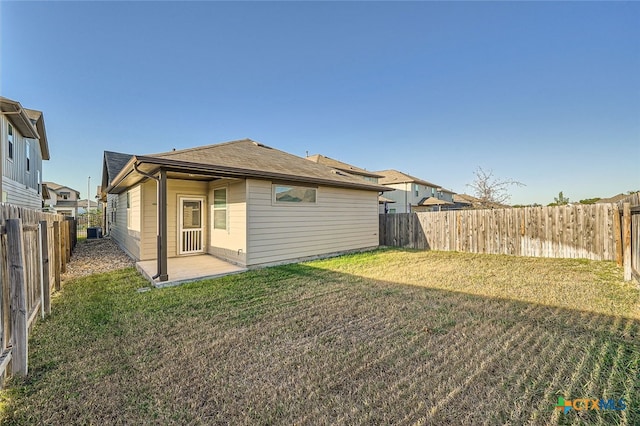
x,y
506,344
578,374
514,374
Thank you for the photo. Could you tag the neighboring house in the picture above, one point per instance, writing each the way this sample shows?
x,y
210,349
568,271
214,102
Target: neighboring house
x,y
413,194
354,171
61,199
241,201
93,205
23,148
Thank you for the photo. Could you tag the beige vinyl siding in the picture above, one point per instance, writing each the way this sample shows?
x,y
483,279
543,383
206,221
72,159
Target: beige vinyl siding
x,y
149,240
340,220
231,243
127,239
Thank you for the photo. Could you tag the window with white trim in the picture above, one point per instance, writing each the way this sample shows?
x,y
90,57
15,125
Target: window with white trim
x,y
219,208
10,142
27,147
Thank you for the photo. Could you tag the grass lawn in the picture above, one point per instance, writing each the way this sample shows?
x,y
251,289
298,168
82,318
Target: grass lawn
x,y
387,337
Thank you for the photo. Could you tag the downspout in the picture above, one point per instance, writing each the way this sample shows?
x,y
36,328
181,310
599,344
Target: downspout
x,y
161,239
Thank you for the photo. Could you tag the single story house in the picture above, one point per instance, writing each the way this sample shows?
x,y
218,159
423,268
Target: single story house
x,y
241,201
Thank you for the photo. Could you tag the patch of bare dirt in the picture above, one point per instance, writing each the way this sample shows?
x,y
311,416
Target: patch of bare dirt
x,y
95,257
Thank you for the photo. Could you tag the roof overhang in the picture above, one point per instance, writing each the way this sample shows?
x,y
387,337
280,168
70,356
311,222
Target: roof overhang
x,y
139,168
38,117
18,117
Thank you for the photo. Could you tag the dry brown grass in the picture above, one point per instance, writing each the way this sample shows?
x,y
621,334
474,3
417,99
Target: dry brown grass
x,y
390,337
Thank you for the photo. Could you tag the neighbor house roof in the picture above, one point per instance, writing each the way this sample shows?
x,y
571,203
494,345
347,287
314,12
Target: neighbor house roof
x,y
38,118
239,159
392,176
55,187
29,122
433,201
18,116
464,199
613,199
321,159
476,202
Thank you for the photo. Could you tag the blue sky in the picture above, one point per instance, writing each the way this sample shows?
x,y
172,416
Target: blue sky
x,y
541,92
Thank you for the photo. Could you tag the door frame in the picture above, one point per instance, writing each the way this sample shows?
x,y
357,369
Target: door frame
x,y
181,200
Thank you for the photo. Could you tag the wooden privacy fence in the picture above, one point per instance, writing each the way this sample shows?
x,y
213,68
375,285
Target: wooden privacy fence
x,y
573,231
34,250
631,236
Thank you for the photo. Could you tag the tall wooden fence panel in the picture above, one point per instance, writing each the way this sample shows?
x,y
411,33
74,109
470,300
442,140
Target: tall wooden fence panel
x,y
573,231
31,258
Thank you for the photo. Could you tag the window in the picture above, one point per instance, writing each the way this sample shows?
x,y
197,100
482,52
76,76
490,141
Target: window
x,y
28,154
220,208
65,195
39,183
392,211
4,196
433,191
10,141
417,189
128,200
294,194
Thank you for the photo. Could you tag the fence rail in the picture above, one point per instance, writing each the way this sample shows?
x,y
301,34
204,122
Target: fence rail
x,y
597,232
34,250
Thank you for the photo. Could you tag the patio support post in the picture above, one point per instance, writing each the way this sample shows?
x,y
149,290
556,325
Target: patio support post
x,y
162,226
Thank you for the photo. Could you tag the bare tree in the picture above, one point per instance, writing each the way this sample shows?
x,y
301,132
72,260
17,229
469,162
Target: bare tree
x,y
490,189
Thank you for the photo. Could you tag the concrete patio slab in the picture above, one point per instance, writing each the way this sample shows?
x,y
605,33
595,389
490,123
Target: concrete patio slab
x,y
187,269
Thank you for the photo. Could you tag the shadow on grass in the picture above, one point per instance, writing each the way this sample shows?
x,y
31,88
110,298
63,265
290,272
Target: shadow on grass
x,y
307,345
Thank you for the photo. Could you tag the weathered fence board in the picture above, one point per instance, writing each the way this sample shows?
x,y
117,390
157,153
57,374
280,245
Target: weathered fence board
x,y
28,247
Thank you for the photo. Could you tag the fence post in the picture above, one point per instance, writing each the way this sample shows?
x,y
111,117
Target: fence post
x,y
617,235
18,310
56,253
626,237
46,281
63,247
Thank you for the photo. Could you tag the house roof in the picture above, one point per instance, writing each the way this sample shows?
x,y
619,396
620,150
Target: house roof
x,y
67,203
464,199
114,162
613,199
18,116
242,158
477,202
321,159
38,117
433,201
56,187
391,177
